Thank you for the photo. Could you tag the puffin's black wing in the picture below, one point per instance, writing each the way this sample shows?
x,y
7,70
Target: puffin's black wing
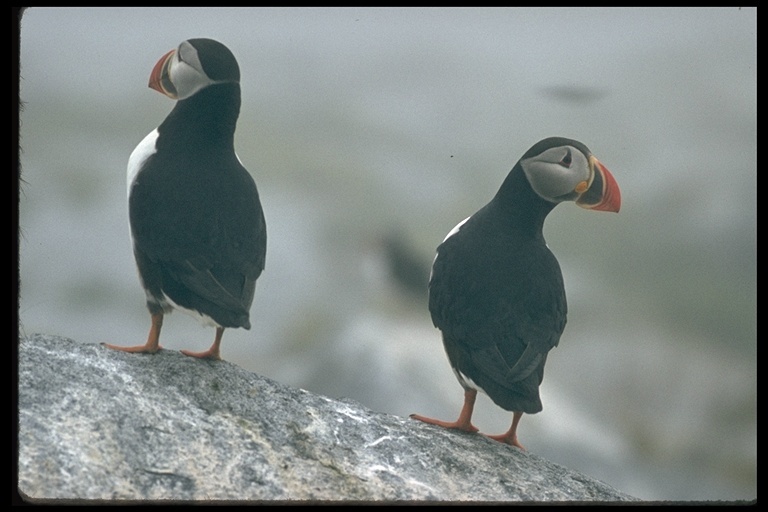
x,y
203,232
531,316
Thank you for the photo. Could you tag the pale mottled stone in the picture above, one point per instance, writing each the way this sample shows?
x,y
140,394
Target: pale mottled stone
x,y
105,425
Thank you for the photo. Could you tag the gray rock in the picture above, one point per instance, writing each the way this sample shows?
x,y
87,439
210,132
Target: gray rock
x,y
96,424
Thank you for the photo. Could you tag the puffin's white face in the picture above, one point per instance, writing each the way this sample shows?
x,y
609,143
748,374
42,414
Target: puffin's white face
x,y
186,72
179,73
559,174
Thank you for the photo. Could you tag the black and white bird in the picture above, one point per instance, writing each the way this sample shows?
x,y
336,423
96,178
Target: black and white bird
x,y
496,291
198,229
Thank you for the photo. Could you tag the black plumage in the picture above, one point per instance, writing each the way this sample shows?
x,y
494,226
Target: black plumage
x,y
198,229
496,290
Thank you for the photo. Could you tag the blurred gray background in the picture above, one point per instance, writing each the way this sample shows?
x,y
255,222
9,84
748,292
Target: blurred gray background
x,y
371,132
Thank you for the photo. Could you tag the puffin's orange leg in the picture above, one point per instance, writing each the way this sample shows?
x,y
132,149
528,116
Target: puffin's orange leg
x,y
153,340
464,422
510,437
211,353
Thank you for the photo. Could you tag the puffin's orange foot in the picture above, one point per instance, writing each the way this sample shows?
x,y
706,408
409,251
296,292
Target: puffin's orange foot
x,y
144,349
211,353
507,439
455,425
208,354
153,339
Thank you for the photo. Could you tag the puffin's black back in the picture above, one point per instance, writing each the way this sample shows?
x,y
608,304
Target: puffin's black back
x,y
497,295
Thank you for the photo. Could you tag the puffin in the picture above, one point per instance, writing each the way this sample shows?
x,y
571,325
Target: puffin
x,y
496,291
197,226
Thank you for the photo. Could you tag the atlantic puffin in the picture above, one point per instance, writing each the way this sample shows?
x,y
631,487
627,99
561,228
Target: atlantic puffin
x,y
196,222
496,290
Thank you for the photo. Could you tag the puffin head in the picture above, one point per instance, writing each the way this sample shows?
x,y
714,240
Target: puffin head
x,y
194,65
560,169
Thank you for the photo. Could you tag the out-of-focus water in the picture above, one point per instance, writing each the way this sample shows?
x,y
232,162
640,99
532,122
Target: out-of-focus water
x,y
364,126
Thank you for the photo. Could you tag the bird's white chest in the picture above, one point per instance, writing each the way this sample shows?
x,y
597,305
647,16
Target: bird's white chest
x,y
146,148
456,229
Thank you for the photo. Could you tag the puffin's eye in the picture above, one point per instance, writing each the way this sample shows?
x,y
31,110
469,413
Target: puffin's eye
x,y
566,160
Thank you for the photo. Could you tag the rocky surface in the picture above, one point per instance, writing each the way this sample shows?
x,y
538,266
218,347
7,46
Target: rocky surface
x,y
95,424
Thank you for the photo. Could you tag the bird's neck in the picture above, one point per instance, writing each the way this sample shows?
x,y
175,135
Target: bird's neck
x,y
210,114
519,207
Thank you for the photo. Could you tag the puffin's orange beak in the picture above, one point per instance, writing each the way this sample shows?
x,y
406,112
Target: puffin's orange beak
x,y
603,194
160,80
